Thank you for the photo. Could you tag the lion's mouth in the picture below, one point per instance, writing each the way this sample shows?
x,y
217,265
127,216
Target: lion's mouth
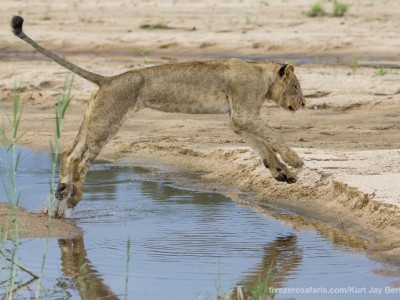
x,y
292,108
295,107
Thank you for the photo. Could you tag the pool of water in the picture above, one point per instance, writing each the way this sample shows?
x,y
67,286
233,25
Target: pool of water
x,y
145,239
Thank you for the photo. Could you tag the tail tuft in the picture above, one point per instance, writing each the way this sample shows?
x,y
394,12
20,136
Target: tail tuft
x,y
16,25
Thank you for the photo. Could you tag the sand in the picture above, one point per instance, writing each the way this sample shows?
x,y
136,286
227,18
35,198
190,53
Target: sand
x,y
32,225
348,134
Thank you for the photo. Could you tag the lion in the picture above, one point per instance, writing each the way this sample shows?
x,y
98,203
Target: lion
x,y
231,86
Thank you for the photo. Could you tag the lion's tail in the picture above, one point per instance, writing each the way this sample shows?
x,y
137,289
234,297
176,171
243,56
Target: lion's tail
x,y
16,24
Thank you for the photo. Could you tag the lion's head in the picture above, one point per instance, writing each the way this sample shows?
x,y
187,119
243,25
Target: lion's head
x,y
286,90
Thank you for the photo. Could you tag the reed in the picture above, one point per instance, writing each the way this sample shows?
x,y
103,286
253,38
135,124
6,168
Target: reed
x,y
51,203
10,123
10,236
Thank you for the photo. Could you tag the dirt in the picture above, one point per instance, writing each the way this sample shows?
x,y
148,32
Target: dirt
x,y
348,134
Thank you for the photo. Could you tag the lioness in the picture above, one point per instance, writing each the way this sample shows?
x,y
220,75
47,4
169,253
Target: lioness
x,y
230,86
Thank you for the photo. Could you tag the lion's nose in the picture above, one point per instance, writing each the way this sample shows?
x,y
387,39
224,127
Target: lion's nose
x,y
303,102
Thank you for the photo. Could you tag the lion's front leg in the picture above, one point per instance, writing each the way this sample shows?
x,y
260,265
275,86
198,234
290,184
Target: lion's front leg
x,y
289,156
278,169
264,141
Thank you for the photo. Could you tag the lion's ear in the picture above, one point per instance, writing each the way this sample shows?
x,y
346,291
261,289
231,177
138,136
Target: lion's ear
x,y
286,69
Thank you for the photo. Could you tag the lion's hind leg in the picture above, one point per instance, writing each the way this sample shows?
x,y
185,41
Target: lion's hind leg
x,y
103,118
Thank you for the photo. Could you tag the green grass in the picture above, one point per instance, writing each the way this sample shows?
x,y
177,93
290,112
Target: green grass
x,y
316,10
46,15
144,55
261,289
128,258
354,65
381,71
11,120
339,9
10,281
63,101
251,21
153,26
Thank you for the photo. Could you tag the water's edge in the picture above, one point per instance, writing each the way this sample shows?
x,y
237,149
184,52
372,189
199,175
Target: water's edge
x,y
386,62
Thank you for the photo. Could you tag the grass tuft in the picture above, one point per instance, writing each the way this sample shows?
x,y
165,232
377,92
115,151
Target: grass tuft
x,y
9,136
153,26
46,16
10,123
128,258
381,71
316,10
339,9
262,289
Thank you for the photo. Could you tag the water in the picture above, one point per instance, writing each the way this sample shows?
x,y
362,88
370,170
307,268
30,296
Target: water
x,y
185,244
156,57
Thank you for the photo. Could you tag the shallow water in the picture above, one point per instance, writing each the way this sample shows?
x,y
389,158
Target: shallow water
x,y
186,244
163,57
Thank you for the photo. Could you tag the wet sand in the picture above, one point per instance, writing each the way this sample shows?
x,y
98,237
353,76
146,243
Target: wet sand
x,y
32,225
348,134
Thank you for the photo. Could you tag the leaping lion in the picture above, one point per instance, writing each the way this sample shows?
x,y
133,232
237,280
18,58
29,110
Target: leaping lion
x,y
229,86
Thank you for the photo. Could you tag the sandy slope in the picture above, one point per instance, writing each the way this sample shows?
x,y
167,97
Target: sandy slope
x,y
348,135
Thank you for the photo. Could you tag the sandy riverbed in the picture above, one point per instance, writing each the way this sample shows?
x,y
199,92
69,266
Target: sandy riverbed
x,y
348,135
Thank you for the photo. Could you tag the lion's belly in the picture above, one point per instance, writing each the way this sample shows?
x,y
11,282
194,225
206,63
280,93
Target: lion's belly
x,y
210,103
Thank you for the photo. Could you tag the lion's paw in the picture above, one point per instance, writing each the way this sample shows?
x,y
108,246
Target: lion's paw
x,y
292,159
285,176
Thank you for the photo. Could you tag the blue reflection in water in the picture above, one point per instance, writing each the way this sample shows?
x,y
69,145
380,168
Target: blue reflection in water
x,y
183,243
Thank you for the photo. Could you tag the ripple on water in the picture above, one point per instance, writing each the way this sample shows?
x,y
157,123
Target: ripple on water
x,y
182,243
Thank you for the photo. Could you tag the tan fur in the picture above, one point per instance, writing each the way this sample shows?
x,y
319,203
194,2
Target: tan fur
x,y
231,86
